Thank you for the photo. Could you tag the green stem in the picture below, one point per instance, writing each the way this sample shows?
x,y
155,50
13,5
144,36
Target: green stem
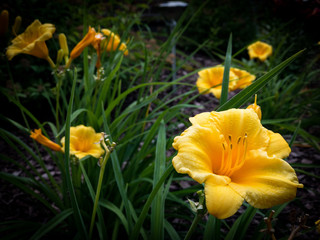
x,y
96,200
58,101
193,226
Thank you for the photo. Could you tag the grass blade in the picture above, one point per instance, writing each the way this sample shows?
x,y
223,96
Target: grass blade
x,y
243,96
227,64
51,224
157,209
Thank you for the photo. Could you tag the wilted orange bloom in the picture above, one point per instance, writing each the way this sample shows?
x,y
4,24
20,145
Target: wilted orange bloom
x,y
237,159
210,80
86,41
40,138
260,50
84,141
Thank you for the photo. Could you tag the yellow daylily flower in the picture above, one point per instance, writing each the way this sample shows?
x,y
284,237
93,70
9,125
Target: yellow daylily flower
x,y
4,22
84,141
244,79
40,138
32,41
210,79
259,50
237,159
113,41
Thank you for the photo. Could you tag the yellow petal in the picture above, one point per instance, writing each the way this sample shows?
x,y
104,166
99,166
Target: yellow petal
x,y
221,200
243,80
241,122
277,147
265,181
199,152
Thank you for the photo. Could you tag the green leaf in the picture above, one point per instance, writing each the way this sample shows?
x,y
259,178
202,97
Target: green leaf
x,y
77,214
157,209
240,226
226,73
243,96
143,214
51,224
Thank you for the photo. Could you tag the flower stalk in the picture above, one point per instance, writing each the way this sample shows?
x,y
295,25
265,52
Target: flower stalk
x,y
103,163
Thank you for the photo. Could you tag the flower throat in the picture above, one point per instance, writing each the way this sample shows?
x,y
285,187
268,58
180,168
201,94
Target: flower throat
x,y
233,155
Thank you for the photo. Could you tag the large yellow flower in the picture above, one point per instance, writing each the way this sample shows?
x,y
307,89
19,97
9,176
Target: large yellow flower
x,y
32,41
84,141
259,50
210,80
237,159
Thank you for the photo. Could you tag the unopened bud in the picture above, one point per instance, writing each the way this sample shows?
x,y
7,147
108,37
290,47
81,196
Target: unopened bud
x,y
60,56
64,44
256,107
4,22
16,25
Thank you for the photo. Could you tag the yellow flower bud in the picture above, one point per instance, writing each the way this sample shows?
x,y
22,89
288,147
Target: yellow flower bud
x,y
16,25
60,56
4,22
255,107
63,44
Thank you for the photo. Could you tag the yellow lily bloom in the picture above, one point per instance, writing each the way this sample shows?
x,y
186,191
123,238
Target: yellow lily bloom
x,y
32,41
40,138
84,141
237,159
113,42
244,79
259,50
210,79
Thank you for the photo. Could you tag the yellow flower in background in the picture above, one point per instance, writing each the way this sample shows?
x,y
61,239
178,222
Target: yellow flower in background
x,y
86,41
237,159
40,138
32,41
4,22
210,79
84,141
244,79
113,41
260,50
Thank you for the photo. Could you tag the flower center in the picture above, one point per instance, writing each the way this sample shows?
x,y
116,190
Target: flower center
x,y
233,155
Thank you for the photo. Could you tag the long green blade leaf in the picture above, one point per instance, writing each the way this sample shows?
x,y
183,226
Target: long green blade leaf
x,y
242,97
227,64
